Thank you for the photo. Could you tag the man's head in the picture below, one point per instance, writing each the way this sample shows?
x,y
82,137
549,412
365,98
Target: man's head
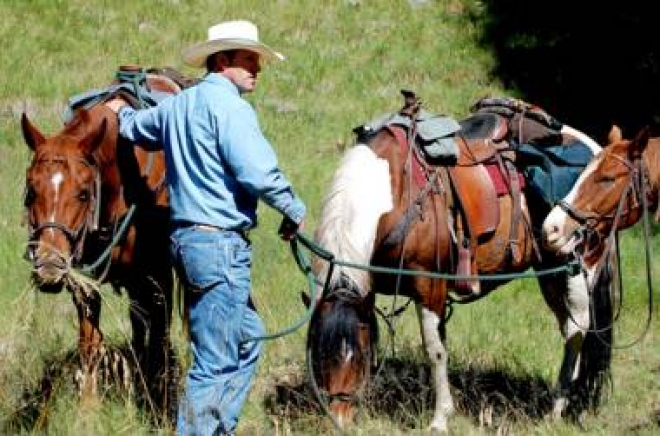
x,y
239,65
234,50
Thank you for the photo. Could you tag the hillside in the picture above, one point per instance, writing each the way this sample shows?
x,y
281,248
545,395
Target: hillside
x,y
347,61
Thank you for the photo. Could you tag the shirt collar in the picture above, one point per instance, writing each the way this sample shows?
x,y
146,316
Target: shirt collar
x,y
219,79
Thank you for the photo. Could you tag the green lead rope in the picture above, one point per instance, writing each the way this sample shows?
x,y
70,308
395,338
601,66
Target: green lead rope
x,y
305,266
303,263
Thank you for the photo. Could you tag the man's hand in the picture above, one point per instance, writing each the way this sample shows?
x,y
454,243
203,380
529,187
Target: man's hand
x,y
115,104
289,228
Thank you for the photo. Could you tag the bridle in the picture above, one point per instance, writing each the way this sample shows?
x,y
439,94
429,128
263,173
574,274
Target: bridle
x,y
639,190
75,236
344,289
633,196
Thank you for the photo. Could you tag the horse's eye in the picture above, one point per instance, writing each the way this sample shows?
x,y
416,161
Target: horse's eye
x,y
607,179
30,196
83,195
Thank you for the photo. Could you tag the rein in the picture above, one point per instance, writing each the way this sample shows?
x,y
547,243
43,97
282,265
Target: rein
x,y
635,185
570,267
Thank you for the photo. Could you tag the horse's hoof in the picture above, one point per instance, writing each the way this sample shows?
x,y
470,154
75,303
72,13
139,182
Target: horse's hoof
x,y
437,431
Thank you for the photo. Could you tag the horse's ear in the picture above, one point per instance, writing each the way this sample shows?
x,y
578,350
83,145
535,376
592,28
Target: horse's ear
x,y
94,138
33,137
639,143
615,135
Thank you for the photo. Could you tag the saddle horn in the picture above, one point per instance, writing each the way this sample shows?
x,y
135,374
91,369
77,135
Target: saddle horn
x,y
411,103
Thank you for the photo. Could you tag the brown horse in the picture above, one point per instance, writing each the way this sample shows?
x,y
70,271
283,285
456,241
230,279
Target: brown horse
x,y
97,212
613,192
390,208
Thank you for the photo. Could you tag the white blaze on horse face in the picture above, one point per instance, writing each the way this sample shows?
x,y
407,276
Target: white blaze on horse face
x,y
346,351
56,181
559,227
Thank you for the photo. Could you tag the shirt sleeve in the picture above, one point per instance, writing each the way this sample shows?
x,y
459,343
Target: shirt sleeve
x,y
141,126
254,163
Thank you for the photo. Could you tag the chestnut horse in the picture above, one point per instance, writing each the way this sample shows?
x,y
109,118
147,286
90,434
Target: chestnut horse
x,y
612,193
389,222
97,212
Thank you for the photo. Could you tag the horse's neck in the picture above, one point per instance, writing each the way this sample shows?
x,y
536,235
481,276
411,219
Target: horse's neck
x,y
651,158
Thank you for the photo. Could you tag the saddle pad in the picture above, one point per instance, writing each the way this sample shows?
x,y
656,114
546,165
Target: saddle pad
x,y
500,182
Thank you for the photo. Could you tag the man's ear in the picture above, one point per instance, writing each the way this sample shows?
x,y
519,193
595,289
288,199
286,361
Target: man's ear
x,y
220,61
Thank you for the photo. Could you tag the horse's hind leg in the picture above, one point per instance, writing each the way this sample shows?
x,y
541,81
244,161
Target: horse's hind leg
x,y
160,365
432,327
568,298
151,303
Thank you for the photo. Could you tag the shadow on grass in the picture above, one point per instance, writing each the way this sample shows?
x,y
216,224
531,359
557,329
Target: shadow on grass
x,y
402,391
645,424
118,382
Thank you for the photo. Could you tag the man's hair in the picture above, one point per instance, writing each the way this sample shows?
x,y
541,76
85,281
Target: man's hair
x,y
211,60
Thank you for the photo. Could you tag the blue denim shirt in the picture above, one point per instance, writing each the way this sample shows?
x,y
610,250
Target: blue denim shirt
x,y
218,161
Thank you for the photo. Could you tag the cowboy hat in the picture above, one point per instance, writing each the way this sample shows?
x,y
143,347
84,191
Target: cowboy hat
x,y
229,35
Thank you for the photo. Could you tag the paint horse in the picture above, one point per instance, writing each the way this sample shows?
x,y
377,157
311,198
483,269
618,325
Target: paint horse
x,y
393,207
617,187
97,212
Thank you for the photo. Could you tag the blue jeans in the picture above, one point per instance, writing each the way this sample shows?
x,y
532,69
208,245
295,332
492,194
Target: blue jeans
x,y
215,267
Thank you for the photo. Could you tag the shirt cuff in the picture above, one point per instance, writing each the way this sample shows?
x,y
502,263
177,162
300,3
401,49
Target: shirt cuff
x,y
296,211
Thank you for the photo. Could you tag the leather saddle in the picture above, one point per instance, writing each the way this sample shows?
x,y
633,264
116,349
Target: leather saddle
x,y
484,150
481,139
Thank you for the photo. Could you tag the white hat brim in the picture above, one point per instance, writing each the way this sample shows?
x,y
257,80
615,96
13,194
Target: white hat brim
x,y
196,55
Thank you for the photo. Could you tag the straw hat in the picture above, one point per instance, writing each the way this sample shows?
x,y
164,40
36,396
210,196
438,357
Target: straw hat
x,y
229,35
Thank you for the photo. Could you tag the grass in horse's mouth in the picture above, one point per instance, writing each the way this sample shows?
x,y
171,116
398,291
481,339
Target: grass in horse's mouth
x,y
80,284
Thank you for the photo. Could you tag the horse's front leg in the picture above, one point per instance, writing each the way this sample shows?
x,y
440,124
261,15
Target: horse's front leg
x,y
431,324
90,343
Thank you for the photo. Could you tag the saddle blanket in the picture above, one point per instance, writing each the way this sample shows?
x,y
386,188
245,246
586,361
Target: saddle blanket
x,y
500,182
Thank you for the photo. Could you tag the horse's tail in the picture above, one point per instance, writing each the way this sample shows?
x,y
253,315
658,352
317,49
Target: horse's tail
x,y
596,355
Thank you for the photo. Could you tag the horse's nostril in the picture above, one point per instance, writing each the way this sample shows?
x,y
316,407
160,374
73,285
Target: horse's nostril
x,y
550,230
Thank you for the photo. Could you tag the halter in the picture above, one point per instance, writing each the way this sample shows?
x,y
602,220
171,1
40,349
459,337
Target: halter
x,y
75,236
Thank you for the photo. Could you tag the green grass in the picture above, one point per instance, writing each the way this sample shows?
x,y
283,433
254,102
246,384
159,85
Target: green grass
x,y
346,62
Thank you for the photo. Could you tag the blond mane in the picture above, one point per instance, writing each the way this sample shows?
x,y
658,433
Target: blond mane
x,y
359,194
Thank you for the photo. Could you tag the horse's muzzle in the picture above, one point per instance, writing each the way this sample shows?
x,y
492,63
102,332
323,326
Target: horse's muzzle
x,y
48,273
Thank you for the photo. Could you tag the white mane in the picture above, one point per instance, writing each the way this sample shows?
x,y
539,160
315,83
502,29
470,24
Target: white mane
x,y
360,193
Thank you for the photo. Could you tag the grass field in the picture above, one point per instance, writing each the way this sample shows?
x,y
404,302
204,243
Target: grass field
x,y
346,63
